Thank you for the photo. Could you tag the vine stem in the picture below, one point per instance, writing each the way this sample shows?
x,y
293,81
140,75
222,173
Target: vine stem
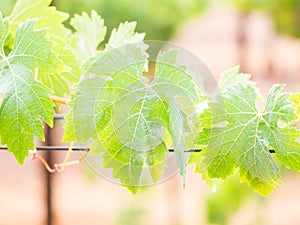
x,y
43,161
58,167
61,100
61,167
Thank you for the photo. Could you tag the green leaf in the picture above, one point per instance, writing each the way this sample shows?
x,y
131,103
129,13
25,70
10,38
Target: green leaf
x,y
232,77
295,98
120,107
216,111
25,100
124,34
242,136
95,95
90,32
142,150
51,19
284,140
47,16
173,81
87,109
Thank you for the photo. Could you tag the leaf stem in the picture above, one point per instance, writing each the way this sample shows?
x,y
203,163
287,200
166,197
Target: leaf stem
x,y
61,100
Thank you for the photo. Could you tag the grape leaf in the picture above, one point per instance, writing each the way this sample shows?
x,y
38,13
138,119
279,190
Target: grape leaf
x,y
90,103
127,112
295,98
90,32
142,149
93,104
25,100
123,35
47,16
231,77
51,19
242,136
88,89
170,81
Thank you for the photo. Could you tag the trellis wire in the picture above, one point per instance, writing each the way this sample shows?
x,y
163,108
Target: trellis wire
x,y
66,148
60,116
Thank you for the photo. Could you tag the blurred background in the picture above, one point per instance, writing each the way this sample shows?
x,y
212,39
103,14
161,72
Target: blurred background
x,y
262,36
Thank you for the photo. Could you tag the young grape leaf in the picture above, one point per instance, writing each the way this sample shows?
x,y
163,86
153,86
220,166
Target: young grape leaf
x,y
120,107
142,149
173,81
232,76
242,136
52,20
48,16
295,98
88,90
25,100
125,34
90,32
226,80
95,95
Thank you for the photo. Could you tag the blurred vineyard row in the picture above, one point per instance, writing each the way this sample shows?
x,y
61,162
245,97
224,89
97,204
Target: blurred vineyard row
x,y
160,19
